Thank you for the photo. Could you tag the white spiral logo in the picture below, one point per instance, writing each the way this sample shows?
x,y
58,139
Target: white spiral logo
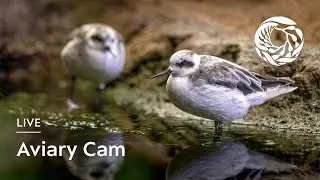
x,y
278,55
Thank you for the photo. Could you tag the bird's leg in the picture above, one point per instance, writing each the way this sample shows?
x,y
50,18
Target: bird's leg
x,y
100,89
216,124
70,102
97,104
219,127
101,101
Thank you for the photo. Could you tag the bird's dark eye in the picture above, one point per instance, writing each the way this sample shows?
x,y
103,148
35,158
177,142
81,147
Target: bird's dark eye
x,y
185,63
181,63
97,38
96,174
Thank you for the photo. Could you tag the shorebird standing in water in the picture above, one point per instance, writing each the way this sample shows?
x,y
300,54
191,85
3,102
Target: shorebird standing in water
x,y
216,89
94,52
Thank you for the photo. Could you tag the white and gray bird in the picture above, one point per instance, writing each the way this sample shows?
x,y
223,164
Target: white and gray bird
x,y
216,89
95,52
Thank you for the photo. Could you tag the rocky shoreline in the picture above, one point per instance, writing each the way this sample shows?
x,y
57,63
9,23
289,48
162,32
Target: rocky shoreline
x,y
150,41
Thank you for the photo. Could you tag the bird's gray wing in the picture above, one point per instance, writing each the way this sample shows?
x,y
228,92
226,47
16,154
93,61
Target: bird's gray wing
x,y
214,70
272,82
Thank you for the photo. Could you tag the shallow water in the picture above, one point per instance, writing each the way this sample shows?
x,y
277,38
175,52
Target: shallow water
x,y
149,143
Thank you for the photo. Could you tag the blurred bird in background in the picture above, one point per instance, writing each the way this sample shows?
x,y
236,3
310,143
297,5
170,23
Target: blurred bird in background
x,y
95,52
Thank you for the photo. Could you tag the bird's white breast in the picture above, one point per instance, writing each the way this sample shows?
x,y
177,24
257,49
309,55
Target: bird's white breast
x,y
207,101
104,66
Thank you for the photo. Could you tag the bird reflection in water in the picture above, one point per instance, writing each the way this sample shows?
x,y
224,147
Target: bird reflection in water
x,y
225,161
95,167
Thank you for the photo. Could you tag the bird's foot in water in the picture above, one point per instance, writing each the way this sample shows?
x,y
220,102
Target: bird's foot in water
x,y
219,128
71,105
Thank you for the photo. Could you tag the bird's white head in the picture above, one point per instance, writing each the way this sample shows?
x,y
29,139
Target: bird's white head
x,y
101,37
182,63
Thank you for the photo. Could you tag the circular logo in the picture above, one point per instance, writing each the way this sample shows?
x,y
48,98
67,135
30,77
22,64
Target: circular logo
x,y
278,54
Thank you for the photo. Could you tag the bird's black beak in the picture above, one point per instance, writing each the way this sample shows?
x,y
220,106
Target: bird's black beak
x,y
168,71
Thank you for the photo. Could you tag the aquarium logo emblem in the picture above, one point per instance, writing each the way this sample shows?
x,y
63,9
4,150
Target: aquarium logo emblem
x,y
287,52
